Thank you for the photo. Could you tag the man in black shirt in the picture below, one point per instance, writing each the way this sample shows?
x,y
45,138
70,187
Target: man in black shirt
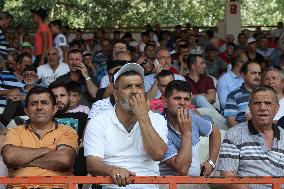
x,y
75,120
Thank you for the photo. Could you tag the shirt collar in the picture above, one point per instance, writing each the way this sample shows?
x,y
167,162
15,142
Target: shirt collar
x,y
27,124
253,131
243,89
233,75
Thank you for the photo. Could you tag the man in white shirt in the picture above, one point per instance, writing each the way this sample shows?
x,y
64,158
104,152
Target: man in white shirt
x,y
53,69
129,139
59,40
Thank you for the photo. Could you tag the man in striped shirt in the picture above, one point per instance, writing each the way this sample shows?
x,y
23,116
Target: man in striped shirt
x,y
5,20
236,107
254,148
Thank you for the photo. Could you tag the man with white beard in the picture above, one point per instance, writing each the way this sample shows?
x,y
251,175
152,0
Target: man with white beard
x,y
128,139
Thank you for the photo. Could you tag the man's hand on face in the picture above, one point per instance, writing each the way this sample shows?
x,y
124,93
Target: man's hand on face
x,y
120,176
139,106
184,120
81,66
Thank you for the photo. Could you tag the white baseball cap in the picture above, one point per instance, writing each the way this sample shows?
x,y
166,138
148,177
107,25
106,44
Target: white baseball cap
x,y
251,39
129,67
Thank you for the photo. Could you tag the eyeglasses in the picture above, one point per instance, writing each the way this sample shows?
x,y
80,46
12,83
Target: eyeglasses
x,y
29,74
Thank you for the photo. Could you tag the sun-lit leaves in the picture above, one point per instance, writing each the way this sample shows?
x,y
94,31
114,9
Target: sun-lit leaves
x,y
122,13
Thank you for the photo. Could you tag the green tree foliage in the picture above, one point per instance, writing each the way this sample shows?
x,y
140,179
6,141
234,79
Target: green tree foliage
x,y
123,13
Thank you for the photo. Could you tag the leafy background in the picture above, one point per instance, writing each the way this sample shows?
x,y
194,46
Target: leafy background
x,y
125,13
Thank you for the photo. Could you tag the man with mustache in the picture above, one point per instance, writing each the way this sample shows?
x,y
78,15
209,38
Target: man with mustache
x,y
236,108
41,147
128,139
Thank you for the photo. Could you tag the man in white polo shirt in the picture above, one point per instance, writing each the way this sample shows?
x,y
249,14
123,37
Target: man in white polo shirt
x,y
51,71
128,139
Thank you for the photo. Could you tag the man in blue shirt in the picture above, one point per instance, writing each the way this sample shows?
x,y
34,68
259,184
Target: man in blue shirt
x,y
236,107
184,129
230,80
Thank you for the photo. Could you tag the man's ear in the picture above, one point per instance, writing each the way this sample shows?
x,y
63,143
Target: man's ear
x,y
26,110
55,109
115,92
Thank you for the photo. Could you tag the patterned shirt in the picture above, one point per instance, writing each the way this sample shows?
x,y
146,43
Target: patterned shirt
x,y
9,80
244,152
237,104
3,45
100,59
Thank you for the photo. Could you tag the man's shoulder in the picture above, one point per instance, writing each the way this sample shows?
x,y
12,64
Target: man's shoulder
x,y
63,66
43,67
179,77
64,128
63,78
236,131
235,92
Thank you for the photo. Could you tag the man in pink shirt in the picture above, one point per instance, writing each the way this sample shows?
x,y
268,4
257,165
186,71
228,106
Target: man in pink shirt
x,y
43,35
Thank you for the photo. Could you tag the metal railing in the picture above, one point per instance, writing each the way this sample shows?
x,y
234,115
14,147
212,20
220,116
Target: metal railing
x,y
172,181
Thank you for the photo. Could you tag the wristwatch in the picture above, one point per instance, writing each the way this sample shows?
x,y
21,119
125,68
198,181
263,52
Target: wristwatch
x,y
211,163
88,78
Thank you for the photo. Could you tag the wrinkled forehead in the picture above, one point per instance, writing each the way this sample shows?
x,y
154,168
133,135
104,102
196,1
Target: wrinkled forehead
x,y
130,80
263,96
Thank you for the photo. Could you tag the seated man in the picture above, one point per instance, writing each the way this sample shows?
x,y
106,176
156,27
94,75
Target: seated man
x,y
163,78
202,86
254,148
163,62
41,147
15,99
274,78
128,139
236,108
230,80
185,128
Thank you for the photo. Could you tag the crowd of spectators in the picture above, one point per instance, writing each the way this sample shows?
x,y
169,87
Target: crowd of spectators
x,y
120,107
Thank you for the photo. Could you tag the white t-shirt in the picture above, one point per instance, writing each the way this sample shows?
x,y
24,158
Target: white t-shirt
x,y
47,75
280,112
100,106
106,137
59,42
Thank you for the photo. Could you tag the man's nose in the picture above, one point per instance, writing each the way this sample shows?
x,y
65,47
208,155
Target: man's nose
x,y
39,106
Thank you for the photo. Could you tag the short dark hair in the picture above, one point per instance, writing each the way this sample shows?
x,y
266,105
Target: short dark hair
x,y
74,43
55,85
231,44
149,45
30,68
116,32
5,15
40,90
192,59
164,73
263,89
75,51
14,55
115,63
177,85
57,23
235,60
74,86
145,34
241,33
22,56
244,68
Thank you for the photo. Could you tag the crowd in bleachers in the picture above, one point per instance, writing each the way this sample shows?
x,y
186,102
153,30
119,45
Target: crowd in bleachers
x,y
139,107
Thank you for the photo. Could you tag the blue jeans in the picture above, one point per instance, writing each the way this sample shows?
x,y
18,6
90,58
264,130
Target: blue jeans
x,y
201,102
